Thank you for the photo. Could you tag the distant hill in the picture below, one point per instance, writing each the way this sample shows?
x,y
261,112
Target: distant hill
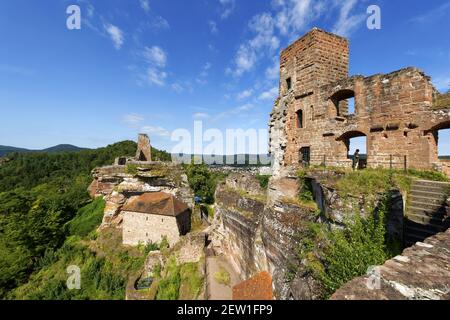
x,y
4,150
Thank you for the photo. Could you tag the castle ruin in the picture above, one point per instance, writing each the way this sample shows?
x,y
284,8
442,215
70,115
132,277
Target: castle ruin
x,y
399,113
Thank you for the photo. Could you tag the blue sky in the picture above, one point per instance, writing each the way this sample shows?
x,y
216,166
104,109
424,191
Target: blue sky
x,y
155,66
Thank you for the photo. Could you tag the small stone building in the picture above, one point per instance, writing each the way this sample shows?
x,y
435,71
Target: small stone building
x,y
150,217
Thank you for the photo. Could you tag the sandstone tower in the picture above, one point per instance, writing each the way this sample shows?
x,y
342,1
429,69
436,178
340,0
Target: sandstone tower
x,y
311,123
144,149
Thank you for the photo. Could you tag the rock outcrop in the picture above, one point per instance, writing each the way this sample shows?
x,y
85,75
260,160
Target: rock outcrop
x,y
422,272
117,183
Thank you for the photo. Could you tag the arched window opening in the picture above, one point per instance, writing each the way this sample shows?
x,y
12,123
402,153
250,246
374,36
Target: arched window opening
x,y
311,111
356,146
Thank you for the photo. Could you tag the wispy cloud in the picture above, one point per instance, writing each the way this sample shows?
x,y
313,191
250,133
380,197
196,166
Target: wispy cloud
x,y
145,5
201,79
269,95
227,8
213,27
240,110
433,14
200,115
244,94
156,131
155,76
155,56
116,35
262,26
442,83
133,119
347,22
287,20
273,71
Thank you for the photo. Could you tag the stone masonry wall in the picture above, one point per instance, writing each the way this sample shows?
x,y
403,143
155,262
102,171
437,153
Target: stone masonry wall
x,y
145,228
399,113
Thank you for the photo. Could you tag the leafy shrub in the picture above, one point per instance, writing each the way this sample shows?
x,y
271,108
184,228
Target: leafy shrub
x,y
337,256
202,181
87,218
263,180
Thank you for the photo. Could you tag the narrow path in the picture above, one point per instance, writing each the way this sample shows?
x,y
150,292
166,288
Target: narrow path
x,y
216,290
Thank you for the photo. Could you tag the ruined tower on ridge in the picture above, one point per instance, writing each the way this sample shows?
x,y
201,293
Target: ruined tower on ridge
x,y
144,149
312,122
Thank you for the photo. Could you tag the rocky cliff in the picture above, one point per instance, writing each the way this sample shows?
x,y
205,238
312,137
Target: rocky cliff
x,y
258,237
117,183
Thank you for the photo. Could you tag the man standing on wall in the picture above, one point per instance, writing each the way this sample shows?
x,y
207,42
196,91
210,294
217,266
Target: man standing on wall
x,y
356,160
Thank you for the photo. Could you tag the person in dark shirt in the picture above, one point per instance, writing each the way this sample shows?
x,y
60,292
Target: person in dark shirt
x,y
356,160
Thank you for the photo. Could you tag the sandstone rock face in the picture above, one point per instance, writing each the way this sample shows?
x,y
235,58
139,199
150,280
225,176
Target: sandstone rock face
x,y
399,113
421,272
116,186
259,237
260,233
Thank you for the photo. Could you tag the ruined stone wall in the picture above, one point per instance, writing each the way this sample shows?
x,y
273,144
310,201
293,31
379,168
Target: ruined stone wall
x,y
399,112
144,149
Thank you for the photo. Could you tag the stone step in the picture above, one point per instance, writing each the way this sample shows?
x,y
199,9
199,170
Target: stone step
x,y
426,200
429,194
442,190
425,220
431,183
427,210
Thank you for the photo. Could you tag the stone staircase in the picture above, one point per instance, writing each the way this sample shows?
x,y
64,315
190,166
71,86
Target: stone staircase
x,y
427,212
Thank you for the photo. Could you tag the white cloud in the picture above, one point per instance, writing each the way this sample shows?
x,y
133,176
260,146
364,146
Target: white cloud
x,y
289,20
145,4
269,95
160,23
178,88
213,27
433,14
155,76
248,53
347,22
115,34
241,110
200,115
227,8
442,83
273,72
133,119
155,130
156,56
201,79
244,94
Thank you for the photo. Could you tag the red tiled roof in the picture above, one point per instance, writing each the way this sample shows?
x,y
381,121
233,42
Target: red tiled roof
x,y
156,203
259,287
